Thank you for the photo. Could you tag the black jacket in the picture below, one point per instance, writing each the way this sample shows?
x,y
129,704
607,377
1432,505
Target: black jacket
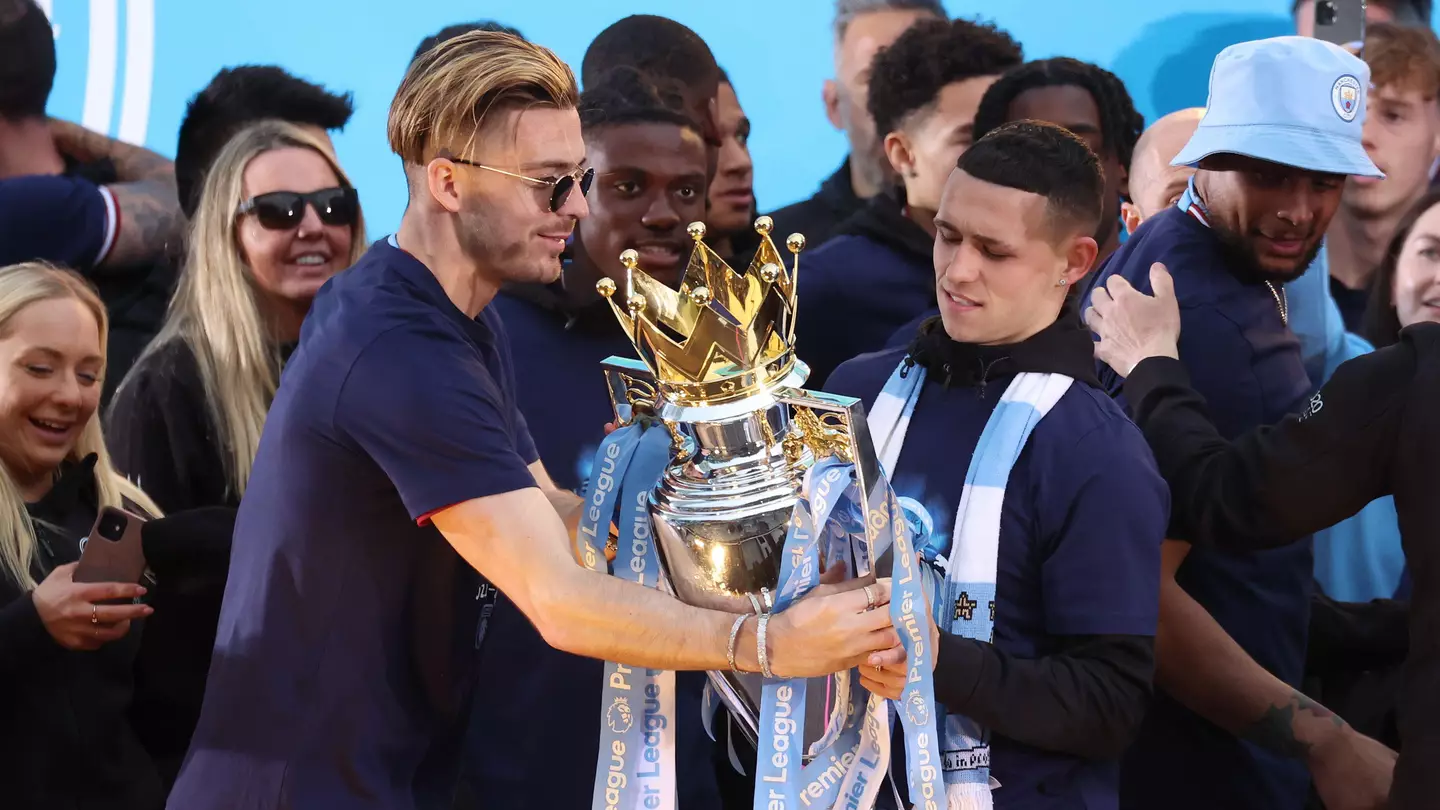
x,y
1373,430
1089,698
67,742
819,216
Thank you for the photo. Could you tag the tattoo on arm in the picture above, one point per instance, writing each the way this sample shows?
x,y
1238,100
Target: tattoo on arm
x,y
1275,729
150,221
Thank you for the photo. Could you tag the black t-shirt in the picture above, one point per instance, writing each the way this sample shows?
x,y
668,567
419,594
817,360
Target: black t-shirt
x,y
345,654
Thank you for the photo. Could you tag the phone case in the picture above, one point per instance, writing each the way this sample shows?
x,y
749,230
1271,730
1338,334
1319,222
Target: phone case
x,y
1343,23
105,560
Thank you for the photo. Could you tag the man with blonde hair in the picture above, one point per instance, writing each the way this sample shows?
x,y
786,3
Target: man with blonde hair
x,y
395,471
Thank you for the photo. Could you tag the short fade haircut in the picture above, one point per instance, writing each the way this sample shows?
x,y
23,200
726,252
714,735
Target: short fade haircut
x,y
846,11
449,32
657,46
27,60
627,96
1406,12
1403,57
1120,123
452,89
236,98
1047,160
932,54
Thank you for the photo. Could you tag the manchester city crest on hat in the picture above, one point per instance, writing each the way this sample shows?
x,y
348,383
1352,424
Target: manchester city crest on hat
x,y
618,717
1345,95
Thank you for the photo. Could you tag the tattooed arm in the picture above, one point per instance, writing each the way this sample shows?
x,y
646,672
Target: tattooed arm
x,y
149,208
1198,664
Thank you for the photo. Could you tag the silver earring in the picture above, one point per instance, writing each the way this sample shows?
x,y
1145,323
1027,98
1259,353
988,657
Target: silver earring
x,y
1061,283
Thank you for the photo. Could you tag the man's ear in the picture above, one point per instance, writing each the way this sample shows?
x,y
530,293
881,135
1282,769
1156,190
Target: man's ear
x,y
898,152
441,179
1079,259
1130,215
831,95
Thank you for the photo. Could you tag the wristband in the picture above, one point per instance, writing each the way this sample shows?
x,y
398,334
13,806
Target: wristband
x,y
734,637
760,651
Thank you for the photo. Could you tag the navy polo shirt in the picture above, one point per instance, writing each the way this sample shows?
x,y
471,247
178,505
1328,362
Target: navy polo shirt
x,y
1248,366
855,291
539,724
62,220
344,658
1084,514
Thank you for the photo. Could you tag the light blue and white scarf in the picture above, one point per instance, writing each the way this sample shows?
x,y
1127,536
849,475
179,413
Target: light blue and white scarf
x,y
965,598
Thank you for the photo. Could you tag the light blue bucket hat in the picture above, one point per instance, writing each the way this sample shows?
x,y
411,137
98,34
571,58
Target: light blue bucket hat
x,y
1295,101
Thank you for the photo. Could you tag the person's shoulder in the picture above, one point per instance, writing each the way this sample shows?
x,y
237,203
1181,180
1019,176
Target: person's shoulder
x,y
1088,421
1172,237
166,371
862,377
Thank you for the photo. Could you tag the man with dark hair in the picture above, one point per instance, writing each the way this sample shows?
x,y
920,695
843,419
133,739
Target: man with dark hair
x,y
1047,615
675,58
1233,631
451,31
649,163
877,274
1413,13
76,197
862,28
238,97
1087,100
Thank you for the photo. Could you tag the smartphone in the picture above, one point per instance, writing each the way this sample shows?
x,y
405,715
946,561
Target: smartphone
x,y
1340,21
112,552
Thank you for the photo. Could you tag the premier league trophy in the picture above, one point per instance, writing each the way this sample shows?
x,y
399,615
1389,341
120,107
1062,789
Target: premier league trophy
x,y
718,369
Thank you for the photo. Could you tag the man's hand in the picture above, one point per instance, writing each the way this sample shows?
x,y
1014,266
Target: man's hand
x,y
829,630
885,672
1133,326
1352,772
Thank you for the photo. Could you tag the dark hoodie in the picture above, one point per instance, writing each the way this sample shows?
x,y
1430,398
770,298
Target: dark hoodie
x,y
875,276
819,217
1064,682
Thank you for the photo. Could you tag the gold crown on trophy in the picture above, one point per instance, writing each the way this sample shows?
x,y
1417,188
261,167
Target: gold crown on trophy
x,y
723,335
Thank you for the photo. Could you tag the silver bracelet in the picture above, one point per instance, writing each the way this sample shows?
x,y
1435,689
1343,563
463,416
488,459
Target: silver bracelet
x,y
734,637
760,651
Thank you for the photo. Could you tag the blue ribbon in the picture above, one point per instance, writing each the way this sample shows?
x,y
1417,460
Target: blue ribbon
x,y
917,700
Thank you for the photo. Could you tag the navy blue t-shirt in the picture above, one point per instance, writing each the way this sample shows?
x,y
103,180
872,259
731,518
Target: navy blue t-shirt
x,y
1248,366
62,220
539,724
1084,514
345,655
854,293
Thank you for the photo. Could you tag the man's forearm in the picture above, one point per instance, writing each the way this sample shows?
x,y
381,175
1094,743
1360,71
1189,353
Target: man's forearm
x,y
133,164
1202,667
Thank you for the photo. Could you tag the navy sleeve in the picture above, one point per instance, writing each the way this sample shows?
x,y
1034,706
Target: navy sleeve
x,y
1106,507
423,404
62,220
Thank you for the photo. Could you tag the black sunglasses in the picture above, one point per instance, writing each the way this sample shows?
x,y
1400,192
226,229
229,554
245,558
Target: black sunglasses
x,y
560,187
283,210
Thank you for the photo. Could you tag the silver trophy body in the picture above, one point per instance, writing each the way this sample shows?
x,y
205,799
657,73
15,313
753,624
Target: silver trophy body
x,y
722,510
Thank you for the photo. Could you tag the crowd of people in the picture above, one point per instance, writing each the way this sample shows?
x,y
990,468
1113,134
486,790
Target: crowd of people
x,y
358,455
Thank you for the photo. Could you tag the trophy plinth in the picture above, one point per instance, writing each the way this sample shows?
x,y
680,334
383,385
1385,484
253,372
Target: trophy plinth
x,y
718,369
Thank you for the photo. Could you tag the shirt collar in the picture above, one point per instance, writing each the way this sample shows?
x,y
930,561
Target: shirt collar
x,y
1192,205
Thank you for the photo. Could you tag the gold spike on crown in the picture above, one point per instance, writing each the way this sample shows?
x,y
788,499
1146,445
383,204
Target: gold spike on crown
x,y
723,335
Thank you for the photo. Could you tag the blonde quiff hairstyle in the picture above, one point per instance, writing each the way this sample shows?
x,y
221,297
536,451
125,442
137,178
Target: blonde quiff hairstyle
x,y
20,286
449,92
216,309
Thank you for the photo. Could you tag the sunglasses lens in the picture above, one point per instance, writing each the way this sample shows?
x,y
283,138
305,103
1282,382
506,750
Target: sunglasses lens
x,y
279,211
585,180
561,192
336,206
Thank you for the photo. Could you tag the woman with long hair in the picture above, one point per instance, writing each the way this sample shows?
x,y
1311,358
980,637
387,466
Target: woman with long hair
x,y
66,649
277,218
1406,287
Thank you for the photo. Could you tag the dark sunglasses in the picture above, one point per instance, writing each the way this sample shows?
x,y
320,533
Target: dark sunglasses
x,y
283,210
560,187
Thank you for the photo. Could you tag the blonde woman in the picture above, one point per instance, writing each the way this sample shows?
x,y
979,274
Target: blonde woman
x,y
65,651
277,218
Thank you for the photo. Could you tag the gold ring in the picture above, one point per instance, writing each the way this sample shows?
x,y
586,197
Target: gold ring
x,y
94,617
869,597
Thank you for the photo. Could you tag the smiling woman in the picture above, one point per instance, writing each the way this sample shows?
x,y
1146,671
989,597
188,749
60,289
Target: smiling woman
x,y
277,218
